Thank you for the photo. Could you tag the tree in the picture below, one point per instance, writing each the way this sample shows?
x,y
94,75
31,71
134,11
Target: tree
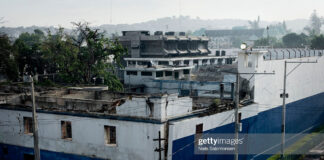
x,y
199,32
28,47
262,42
60,54
317,42
255,24
80,57
272,41
293,40
314,28
8,65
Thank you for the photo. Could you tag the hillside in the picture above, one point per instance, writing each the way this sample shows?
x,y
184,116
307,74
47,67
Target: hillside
x,y
182,23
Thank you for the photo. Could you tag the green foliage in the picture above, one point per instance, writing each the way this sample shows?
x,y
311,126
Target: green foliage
x,y
76,58
216,102
318,42
80,57
272,41
46,83
262,42
8,65
314,29
293,40
28,47
199,32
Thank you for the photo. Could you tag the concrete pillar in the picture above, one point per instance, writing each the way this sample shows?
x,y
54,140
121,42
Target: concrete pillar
x,y
208,61
190,62
200,62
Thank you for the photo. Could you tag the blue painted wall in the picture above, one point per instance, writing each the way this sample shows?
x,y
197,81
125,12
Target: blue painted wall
x,y
300,115
17,153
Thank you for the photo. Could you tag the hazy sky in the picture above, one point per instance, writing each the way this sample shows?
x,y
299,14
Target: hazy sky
x,y
62,12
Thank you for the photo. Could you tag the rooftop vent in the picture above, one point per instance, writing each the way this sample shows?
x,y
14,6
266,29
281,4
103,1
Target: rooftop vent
x,y
158,33
182,33
131,33
147,33
169,33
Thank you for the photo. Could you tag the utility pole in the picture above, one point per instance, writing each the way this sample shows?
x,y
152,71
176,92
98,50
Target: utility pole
x,y
160,149
284,95
283,116
237,101
35,124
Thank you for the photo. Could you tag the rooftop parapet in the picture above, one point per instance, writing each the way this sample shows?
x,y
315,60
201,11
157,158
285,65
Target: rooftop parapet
x,y
102,102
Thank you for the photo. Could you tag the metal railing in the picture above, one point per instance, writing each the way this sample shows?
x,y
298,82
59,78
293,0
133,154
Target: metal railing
x,y
278,54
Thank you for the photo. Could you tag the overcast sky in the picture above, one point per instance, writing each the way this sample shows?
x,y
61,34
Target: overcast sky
x,y
97,12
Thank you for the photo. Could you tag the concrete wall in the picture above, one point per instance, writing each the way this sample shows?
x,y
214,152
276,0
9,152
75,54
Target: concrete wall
x,y
163,108
303,79
185,128
134,139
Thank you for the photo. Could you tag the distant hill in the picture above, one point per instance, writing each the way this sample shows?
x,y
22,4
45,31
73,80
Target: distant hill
x,y
182,23
185,23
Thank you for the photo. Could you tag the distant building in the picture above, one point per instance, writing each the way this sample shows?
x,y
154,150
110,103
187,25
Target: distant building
x,y
232,38
155,61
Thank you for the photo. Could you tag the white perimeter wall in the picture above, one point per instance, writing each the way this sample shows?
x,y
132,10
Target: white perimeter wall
x,y
303,80
187,127
134,139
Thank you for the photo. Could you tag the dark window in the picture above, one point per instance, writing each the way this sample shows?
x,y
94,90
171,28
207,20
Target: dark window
x,y
199,131
168,73
186,71
131,62
66,129
28,125
110,134
217,53
176,63
223,53
199,128
195,61
186,62
151,107
163,63
29,157
212,61
176,75
146,73
5,150
145,63
159,74
229,61
131,73
220,61
182,45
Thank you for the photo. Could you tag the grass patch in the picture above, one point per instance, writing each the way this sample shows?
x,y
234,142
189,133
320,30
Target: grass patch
x,y
307,142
